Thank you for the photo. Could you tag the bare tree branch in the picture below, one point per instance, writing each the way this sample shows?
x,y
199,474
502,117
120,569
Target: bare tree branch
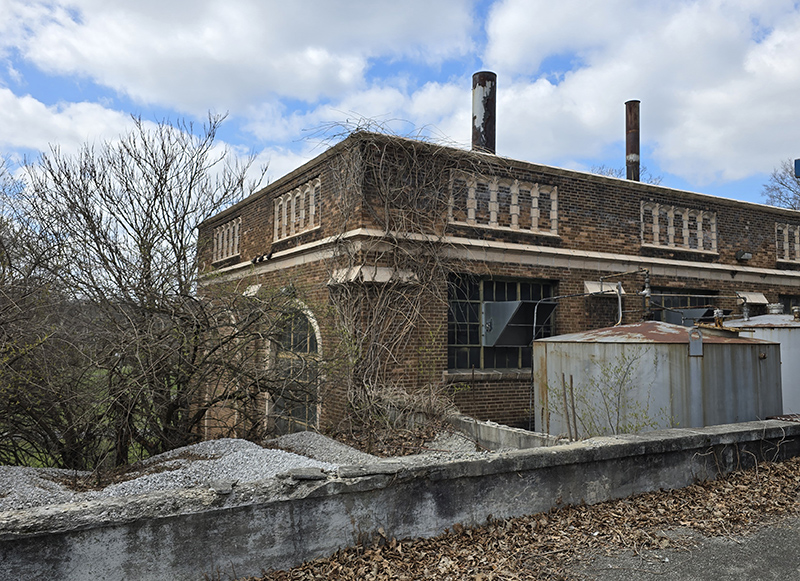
x,y
783,188
119,358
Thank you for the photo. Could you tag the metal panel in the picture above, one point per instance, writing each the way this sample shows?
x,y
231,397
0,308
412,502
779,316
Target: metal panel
x,y
496,316
594,287
785,330
736,380
753,298
686,317
510,323
789,338
695,343
689,317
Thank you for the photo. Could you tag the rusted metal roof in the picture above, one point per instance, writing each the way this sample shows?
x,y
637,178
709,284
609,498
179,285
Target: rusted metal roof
x,y
648,332
786,418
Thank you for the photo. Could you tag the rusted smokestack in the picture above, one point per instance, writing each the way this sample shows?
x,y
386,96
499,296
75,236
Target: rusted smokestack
x,y
632,140
484,107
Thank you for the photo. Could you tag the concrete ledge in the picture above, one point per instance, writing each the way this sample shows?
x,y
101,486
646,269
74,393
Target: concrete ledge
x,y
281,522
493,436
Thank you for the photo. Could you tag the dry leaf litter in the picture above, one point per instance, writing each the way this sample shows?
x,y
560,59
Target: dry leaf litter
x,y
547,545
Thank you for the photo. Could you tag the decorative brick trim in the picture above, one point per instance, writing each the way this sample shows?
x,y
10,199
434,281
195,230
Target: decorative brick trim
x,y
787,242
665,226
297,211
227,239
502,204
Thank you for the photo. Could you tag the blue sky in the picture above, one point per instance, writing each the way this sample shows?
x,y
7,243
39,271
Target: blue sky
x,y
719,81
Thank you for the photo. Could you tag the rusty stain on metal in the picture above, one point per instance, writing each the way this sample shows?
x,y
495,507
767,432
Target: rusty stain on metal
x,y
786,418
484,107
735,380
646,332
632,140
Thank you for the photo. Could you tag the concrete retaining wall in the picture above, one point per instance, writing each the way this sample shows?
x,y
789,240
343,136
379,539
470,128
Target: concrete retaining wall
x,y
494,436
278,523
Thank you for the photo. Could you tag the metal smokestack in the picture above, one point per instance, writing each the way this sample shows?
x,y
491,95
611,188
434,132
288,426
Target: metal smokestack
x,y
632,140
484,108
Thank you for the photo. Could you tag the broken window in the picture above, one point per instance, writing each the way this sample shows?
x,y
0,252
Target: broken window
x,y
490,321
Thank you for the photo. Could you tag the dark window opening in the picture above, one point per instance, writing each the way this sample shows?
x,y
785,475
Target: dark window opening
x,y
468,297
683,307
294,399
788,302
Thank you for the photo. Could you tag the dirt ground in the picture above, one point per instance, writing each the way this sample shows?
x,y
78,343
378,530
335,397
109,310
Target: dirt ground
x,y
395,442
659,535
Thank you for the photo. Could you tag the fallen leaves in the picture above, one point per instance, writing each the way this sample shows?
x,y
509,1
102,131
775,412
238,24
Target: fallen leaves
x,y
543,546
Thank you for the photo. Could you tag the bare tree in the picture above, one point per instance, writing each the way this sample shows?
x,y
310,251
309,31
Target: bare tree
x,y
619,172
783,187
135,359
38,425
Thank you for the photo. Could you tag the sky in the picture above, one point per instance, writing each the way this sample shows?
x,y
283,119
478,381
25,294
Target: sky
x,y
718,81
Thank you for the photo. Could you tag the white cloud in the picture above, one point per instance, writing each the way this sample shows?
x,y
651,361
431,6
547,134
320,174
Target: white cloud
x,y
431,109
281,161
221,54
716,80
29,124
523,33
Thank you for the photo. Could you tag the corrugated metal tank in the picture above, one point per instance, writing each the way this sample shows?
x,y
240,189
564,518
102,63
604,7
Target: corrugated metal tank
x,y
783,329
640,377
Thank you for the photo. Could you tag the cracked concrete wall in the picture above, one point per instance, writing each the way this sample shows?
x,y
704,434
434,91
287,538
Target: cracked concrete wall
x,y
278,523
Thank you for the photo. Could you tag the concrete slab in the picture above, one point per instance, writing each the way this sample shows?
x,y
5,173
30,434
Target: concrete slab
x,y
767,554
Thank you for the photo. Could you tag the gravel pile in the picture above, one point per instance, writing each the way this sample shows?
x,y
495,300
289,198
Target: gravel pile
x,y
318,447
226,460
212,463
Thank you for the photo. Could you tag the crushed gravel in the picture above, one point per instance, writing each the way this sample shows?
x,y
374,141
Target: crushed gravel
x,y
203,464
318,447
212,463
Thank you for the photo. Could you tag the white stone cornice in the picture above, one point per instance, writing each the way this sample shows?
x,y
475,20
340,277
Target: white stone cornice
x,y
493,251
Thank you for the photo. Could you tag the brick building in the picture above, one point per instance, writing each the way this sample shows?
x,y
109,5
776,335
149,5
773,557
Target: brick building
x,y
421,265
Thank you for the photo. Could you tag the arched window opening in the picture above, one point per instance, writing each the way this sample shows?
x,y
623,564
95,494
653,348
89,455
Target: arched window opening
x,y
293,404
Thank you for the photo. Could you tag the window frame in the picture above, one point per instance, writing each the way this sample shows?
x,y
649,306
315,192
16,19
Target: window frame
x,y
296,351
466,296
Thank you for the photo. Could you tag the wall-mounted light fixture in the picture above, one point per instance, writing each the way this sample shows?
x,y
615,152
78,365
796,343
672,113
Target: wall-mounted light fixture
x,y
743,255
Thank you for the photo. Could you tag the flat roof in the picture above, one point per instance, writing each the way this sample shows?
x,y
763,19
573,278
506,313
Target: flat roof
x,y
648,332
764,322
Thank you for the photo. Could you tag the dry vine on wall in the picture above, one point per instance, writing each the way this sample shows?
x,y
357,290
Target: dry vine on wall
x,y
390,294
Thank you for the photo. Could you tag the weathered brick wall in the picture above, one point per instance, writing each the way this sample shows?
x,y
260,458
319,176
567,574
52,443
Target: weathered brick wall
x,y
502,397
257,211
596,214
